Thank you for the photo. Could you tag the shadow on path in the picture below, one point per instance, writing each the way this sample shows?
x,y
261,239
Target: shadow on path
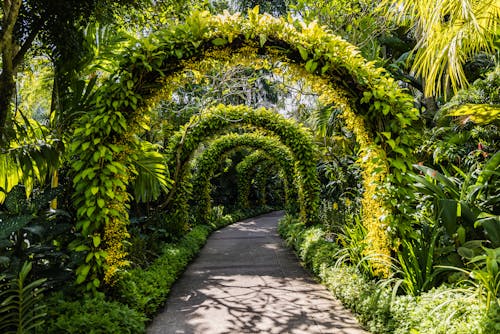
x,y
245,281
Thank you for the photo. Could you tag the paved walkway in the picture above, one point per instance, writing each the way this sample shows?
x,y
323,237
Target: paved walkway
x,y
246,281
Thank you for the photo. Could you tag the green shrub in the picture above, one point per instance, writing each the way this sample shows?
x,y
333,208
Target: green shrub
x,y
439,311
92,316
145,290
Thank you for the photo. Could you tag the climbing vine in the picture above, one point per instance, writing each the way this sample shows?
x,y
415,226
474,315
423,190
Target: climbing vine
x,y
261,176
207,162
247,168
295,137
103,138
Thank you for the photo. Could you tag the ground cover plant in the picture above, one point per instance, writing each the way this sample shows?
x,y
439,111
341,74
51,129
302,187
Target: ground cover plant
x,y
130,130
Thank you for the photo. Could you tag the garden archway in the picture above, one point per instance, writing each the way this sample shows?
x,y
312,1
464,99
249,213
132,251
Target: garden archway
x,y
246,169
104,138
209,159
295,137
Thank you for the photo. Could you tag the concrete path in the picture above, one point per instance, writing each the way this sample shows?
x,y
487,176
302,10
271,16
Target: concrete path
x,y
246,281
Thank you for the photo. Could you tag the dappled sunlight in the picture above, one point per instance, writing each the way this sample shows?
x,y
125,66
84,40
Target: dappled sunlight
x,y
245,281
250,304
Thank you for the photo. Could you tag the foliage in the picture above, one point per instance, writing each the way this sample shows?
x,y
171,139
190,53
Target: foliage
x,y
30,231
92,315
151,174
448,33
442,310
21,309
101,176
480,103
247,170
105,190
54,26
417,257
30,157
356,21
209,159
244,169
484,272
461,203
292,135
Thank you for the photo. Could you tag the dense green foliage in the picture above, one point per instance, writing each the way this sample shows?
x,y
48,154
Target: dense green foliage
x,y
292,135
93,315
206,162
122,121
441,310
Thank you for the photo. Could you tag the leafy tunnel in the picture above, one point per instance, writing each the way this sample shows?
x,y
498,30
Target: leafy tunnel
x,y
105,139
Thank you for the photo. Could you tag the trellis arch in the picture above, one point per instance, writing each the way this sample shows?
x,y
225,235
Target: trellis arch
x,y
261,175
209,160
104,142
295,137
245,170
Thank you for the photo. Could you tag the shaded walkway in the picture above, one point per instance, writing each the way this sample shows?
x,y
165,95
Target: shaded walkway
x,y
246,281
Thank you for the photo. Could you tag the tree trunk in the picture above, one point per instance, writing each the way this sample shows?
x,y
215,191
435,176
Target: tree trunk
x,y
7,89
9,50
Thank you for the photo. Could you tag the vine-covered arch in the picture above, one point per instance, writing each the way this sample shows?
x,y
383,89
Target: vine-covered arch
x,y
104,140
262,173
245,170
209,160
295,137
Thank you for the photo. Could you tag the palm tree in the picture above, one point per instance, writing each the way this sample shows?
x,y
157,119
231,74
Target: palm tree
x,y
448,33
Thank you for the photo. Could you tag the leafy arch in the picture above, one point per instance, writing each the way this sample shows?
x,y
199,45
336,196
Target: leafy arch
x,y
103,139
247,168
295,137
207,162
261,176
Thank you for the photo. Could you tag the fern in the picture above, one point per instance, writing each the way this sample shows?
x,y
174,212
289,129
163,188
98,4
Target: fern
x,y
20,308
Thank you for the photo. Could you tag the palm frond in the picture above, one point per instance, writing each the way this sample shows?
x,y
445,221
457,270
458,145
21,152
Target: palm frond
x,y
152,176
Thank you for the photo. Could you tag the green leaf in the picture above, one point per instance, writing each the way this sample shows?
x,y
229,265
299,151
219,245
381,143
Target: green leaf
x,y
9,225
303,52
82,248
219,41
448,212
311,66
262,39
82,273
178,53
101,202
96,239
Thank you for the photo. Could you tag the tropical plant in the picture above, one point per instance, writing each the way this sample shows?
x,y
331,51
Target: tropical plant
x,y
483,269
30,231
30,156
151,174
460,201
480,103
448,33
356,21
21,309
417,257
